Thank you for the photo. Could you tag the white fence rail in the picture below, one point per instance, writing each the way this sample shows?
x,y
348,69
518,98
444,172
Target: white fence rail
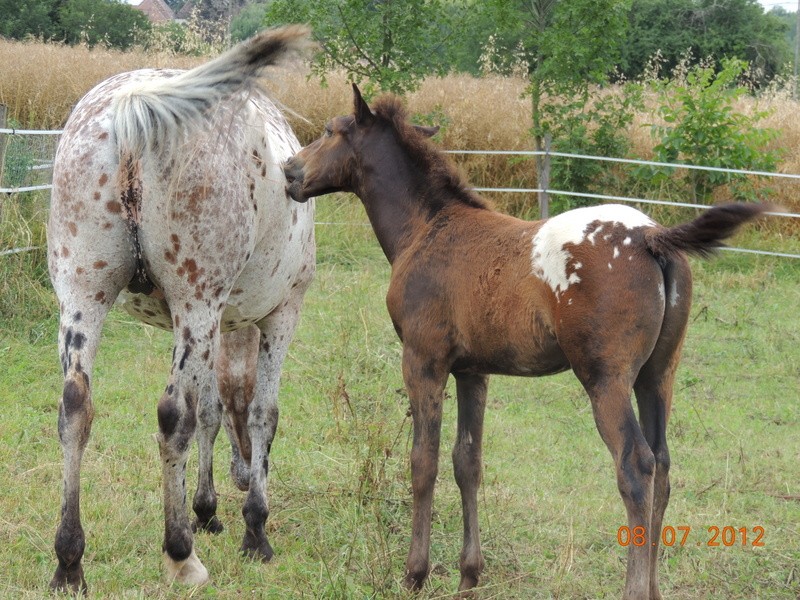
x,y
45,164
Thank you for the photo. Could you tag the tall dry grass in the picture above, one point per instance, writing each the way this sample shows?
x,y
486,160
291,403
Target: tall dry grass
x,y
41,82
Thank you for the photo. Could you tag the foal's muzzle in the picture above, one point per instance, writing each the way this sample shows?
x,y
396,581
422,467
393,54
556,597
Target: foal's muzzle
x,y
293,171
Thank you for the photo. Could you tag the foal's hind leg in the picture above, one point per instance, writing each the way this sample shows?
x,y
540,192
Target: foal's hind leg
x,y
471,391
635,467
653,389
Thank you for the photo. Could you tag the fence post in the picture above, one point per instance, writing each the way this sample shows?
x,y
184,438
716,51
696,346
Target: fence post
x,y
543,179
3,139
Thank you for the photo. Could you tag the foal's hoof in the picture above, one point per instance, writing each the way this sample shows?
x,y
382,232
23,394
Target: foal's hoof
x,y
415,581
69,581
212,525
188,572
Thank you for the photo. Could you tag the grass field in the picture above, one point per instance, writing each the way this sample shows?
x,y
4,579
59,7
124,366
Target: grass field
x,y
339,479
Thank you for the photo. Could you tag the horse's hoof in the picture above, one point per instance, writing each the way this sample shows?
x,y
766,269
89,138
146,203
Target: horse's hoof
x,y
261,551
212,525
69,581
188,572
414,582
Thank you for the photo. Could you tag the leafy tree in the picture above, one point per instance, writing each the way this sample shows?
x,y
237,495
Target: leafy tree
x,y
381,44
101,22
716,28
249,21
571,47
22,18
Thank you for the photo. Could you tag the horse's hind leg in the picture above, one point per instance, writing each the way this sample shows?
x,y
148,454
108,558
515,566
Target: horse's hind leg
x,y
635,467
471,392
235,370
653,389
277,330
191,378
86,289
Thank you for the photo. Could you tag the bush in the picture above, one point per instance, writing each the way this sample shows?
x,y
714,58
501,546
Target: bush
x,y
701,127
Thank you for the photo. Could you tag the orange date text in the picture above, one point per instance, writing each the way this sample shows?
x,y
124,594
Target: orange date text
x,y
680,536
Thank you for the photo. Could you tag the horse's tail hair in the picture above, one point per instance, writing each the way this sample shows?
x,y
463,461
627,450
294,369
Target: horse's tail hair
x,y
152,114
704,235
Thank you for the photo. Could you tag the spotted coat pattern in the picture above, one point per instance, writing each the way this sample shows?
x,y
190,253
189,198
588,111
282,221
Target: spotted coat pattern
x,y
198,238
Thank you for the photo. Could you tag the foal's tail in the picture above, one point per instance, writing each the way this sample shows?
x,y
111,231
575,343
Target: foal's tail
x,y
152,113
703,235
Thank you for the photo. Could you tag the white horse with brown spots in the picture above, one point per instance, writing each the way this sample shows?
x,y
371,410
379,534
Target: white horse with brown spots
x,y
168,194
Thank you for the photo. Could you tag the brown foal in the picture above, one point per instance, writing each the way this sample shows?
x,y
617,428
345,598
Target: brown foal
x,y
604,291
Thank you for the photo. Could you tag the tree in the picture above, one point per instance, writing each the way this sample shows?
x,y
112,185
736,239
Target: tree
x,y
571,47
249,21
381,44
101,22
22,18
716,28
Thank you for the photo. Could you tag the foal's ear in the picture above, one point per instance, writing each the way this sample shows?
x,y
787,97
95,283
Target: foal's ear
x,y
426,131
360,108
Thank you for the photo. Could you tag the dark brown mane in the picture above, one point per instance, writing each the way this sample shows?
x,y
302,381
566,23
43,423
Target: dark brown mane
x,y
444,180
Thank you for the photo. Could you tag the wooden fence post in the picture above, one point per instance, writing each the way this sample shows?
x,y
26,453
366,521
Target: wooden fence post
x,y
543,179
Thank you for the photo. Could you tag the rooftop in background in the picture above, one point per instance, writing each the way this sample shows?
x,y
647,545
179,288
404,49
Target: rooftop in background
x,y
156,10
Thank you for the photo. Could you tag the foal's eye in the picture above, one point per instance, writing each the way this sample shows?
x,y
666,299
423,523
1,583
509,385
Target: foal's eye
x,y
328,131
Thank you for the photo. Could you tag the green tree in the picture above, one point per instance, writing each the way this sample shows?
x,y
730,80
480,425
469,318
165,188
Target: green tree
x,y
381,44
94,22
716,28
249,21
22,18
571,48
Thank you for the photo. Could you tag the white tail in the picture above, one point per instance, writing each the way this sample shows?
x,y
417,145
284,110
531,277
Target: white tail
x,y
151,114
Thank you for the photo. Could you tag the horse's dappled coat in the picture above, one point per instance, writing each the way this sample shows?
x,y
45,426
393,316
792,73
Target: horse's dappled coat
x,y
168,193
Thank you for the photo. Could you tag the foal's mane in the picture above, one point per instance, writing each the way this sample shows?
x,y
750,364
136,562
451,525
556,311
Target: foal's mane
x,y
444,180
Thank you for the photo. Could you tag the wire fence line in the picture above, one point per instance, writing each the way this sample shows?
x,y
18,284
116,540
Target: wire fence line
x,y
34,171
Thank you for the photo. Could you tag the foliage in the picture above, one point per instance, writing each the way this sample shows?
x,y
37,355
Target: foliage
x,y
22,18
702,127
595,126
92,22
568,49
249,21
114,24
706,28
389,46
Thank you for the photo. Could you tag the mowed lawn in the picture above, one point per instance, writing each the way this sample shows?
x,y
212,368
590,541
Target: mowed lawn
x,y
339,477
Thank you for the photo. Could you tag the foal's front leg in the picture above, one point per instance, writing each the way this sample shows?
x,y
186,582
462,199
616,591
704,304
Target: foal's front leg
x,y
471,391
425,379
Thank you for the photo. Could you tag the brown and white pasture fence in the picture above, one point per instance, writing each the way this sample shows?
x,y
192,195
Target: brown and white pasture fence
x,y
34,172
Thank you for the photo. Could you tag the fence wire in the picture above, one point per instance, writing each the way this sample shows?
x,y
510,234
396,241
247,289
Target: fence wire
x,y
26,164
27,159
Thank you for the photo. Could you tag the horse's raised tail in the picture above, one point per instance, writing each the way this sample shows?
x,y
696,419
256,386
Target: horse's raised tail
x,y
152,114
704,235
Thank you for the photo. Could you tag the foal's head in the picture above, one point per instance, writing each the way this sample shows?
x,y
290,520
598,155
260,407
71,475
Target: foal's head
x,y
368,143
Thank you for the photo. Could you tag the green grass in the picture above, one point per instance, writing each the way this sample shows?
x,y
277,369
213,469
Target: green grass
x,y
339,482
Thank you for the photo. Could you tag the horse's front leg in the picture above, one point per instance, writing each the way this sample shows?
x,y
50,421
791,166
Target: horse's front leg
x,y
471,391
425,378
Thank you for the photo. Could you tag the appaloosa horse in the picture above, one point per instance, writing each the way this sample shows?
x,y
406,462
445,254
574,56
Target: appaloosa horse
x,y
168,193
603,291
